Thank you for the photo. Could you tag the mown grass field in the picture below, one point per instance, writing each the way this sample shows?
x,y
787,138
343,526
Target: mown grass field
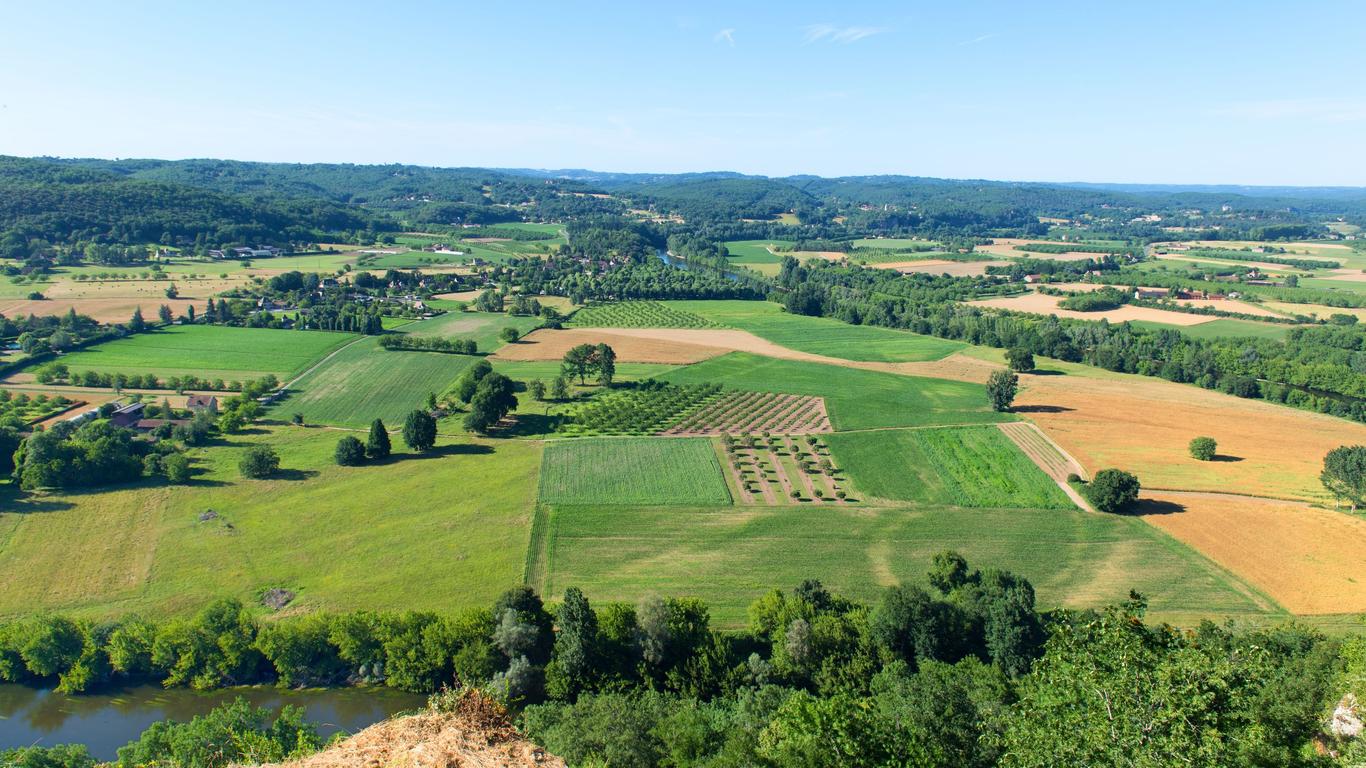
x,y
365,382
1225,328
210,351
855,398
961,466
819,335
637,314
483,327
630,471
437,532
731,556
755,251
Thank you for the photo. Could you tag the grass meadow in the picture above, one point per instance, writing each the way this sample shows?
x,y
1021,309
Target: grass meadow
x,y
438,532
210,351
645,471
365,382
731,556
819,335
855,398
961,466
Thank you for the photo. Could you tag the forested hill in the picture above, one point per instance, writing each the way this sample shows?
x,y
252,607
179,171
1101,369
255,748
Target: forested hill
x,y
65,203
422,193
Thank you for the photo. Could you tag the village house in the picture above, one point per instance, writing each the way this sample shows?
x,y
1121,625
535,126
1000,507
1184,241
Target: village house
x,y
202,403
127,416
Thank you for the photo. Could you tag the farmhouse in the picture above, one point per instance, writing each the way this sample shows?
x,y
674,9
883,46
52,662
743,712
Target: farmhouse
x,y
202,403
147,425
259,252
1151,293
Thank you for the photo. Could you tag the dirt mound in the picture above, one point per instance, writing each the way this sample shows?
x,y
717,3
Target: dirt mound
x,y
477,734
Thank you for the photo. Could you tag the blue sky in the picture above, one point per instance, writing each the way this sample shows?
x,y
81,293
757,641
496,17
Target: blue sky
x,y
1191,92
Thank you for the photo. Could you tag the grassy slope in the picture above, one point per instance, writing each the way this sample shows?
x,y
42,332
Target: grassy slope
x,y
730,556
364,382
1224,328
633,471
438,532
822,336
210,351
969,467
856,399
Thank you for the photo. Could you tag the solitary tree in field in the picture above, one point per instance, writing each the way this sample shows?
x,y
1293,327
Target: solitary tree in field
x,y
259,462
377,445
537,389
1001,388
136,324
1344,473
1112,490
419,431
510,335
350,452
1020,359
1203,448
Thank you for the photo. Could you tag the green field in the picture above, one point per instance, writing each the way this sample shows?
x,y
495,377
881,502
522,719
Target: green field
x,y
483,327
443,531
210,351
856,399
893,243
965,467
731,556
820,335
364,382
755,251
1224,328
637,314
633,471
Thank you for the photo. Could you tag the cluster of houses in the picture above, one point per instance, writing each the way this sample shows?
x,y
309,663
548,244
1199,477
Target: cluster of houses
x,y
259,252
130,415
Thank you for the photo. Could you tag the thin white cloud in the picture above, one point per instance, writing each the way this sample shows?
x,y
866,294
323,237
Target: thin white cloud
x,y
726,36
980,39
833,33
1318,110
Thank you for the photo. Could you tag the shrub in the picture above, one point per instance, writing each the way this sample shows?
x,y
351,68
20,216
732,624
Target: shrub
x,y
1112,490
177,468
350,452
1203,448
259,462
1073,477
1020,359
1001,389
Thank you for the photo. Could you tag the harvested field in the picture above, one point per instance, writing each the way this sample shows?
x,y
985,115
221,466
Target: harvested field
x,y
941,267
1042,304
1347,275
110,310
1306,558
741,412
200,289
1005,246
1322,310
1250,261
653,346
1144,424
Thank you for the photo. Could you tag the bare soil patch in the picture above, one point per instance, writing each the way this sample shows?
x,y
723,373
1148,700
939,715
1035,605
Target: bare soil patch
x,y
1229,305
1042,304
1005,246
1306,558
941,267
104,310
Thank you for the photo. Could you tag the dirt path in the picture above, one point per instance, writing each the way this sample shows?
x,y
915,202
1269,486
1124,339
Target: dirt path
x,y
1048,456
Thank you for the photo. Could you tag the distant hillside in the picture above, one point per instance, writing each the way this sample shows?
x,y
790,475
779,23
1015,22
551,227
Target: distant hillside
x,y
65,202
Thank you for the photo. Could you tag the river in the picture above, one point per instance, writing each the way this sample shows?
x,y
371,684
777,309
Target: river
x,y
106,721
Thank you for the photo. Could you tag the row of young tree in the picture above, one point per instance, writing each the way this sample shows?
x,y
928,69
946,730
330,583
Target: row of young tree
x,y
965,672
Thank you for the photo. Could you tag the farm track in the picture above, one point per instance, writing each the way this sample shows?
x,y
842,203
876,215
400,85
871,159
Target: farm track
x,y
1048,456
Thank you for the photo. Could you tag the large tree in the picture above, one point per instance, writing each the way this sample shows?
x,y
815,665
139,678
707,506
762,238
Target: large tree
x,y
1112,490
1344,473
377,446
492,400
419,431
1001,389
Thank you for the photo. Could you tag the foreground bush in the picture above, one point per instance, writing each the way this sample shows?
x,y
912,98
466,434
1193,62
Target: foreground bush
x,y
1112,490
1203,448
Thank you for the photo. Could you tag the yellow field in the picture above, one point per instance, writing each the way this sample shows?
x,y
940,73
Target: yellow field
x,y
1308,559
1043,304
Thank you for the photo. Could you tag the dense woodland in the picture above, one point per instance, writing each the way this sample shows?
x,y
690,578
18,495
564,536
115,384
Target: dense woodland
x,y
963,671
